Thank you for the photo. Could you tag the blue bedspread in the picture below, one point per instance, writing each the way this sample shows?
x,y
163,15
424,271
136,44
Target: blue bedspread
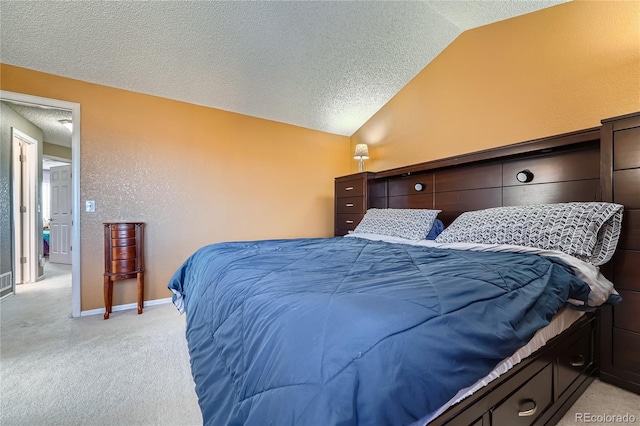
x,y
346,331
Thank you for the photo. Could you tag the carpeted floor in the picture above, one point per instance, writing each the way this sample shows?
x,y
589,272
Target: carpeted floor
x,y
131,369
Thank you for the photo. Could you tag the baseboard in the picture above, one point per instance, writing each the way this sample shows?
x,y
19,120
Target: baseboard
x,y
128,306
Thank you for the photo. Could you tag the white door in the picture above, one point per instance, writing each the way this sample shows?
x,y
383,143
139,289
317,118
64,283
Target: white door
x,y
60,221
18,208
25,218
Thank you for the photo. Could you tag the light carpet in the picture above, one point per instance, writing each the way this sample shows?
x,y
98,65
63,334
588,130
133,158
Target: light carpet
x,y
131,369
54,370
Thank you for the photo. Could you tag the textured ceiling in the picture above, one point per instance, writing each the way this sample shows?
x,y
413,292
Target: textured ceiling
x,y
326,65
48,120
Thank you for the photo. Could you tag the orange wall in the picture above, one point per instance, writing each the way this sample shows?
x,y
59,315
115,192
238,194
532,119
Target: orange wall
x,y
195,175
553,71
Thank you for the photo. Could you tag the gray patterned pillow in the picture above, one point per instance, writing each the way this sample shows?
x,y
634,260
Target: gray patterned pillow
x,y
588,231
412,224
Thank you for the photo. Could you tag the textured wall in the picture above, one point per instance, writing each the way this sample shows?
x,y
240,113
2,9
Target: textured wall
x,y
56,150
195,175
553,71
8,119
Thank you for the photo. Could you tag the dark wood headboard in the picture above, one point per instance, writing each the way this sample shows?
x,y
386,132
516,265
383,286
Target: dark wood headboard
x,y
557,169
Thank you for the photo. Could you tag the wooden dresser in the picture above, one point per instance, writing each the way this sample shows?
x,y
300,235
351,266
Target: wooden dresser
x,y
620,325
123,259
351,200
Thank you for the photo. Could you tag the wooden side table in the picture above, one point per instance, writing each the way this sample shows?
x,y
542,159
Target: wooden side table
x,y
123,259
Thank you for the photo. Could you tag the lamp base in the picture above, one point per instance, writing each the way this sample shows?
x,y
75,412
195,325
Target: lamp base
x,y
360,166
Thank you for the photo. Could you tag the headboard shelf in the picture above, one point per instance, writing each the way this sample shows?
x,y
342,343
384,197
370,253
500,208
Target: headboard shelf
x,y
555,169
547,144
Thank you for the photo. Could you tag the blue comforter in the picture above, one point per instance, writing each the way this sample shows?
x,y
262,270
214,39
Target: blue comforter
x,y
346,331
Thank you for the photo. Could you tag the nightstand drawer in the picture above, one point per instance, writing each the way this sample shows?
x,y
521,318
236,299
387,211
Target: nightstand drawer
x,y
348,221
350,205
350,188
527,403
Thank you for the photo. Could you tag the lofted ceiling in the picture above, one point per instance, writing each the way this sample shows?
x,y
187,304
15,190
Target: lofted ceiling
x,y
325,65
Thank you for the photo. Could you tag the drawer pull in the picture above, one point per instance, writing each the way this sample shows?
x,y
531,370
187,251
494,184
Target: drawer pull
x,y
349,205
349,188
530,412
349,221
578,361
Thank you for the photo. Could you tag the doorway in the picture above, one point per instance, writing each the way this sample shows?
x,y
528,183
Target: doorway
x,y
56,210
74,109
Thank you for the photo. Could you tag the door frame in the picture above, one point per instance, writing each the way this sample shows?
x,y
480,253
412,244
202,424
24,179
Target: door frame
x,y
75,179
27,231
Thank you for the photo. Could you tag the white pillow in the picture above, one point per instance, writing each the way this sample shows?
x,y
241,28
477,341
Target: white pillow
x,y
412,224
588,231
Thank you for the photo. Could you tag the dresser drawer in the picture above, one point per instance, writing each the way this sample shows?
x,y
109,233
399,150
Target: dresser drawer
x,y
626,148
348,221
123,226
123,266
123,242
123,233
349,188
528,402
575,358
123,253
350,205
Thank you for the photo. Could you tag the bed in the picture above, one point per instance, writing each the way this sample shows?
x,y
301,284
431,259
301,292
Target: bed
x,y
404,330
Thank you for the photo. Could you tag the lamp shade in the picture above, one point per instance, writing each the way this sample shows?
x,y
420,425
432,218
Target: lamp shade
x,y
362,152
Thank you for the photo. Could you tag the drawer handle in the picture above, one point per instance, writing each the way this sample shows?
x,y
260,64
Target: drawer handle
x,y
349,188
530,412
349,221
578,361
349,205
